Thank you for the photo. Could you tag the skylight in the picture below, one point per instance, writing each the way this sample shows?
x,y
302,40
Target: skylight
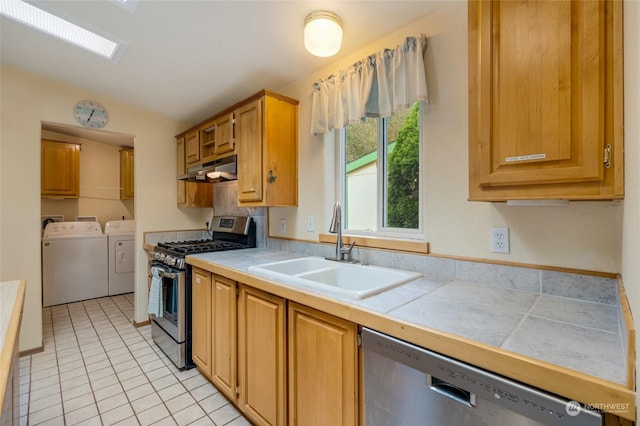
x,y
46,22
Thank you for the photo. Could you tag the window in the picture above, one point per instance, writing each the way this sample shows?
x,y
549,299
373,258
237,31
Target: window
x,y
379,175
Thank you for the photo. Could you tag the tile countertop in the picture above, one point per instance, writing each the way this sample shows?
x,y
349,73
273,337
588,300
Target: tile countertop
x,y
11,303
504,330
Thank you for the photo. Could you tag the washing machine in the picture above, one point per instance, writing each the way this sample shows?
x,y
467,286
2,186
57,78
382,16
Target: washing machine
x,y
120,235
74,262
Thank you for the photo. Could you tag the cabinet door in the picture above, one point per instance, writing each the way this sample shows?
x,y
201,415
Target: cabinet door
x,y
538,93
261,356
192,147
60,169
224,336
322,368
201,320
225,143
126,174
280,171
181,169
249,139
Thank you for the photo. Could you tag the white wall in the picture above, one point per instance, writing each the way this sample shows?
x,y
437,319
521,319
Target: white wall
x,y
584,235
26,100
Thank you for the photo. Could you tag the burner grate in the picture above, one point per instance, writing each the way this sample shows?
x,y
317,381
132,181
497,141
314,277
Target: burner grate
x,y
200,246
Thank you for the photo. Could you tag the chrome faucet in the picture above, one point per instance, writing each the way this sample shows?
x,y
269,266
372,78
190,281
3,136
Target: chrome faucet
x,y
336,228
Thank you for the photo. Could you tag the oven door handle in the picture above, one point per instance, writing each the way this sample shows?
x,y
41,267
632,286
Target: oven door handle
x,y
170,275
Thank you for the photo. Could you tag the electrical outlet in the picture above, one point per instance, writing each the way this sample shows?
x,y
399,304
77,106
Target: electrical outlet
x,y
283,226
310,223
499,240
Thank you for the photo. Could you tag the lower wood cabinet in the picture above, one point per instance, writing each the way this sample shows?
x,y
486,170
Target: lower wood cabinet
x,y
262,356
201,322
223,316
239,344
323,368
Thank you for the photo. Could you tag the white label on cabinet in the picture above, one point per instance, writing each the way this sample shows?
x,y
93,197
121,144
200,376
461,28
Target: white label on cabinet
x,y
525,158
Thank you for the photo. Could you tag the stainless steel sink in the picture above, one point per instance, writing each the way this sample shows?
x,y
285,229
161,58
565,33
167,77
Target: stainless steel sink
x,y
353,280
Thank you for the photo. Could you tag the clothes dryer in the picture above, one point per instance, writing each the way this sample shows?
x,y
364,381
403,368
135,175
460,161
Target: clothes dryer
x,y
121,256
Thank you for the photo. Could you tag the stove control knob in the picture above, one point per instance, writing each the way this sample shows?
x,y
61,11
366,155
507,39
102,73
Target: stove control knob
x,y
171,260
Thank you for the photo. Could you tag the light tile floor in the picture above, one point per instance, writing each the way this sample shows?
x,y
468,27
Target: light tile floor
x,y
98,369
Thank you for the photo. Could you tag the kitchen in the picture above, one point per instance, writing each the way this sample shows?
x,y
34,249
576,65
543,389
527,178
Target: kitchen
x,y
597,236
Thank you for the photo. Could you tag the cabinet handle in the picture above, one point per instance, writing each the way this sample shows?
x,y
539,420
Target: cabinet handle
x,y
607,156
271,177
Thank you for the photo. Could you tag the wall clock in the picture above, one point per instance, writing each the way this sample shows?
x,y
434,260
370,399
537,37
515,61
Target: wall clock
x,y
91,114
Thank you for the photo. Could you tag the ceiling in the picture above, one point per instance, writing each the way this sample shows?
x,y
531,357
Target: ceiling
x,y
187,59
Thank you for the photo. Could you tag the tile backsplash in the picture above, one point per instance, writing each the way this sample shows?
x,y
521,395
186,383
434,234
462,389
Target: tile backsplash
x,y
225,203
576,286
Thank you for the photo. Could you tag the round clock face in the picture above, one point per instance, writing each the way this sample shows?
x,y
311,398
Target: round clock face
x,y
91,114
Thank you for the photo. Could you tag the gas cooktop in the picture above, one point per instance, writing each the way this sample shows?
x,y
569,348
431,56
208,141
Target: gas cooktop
x,y
198,246
227,233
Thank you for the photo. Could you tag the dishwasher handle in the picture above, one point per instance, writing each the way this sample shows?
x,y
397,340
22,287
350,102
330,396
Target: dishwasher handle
x,y
454,392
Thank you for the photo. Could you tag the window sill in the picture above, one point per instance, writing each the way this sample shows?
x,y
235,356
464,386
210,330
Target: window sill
x,y
421,247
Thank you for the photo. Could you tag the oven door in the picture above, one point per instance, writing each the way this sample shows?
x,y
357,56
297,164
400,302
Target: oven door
x,y
173,302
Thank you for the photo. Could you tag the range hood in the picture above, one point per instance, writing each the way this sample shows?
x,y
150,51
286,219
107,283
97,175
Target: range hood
x,y
220,170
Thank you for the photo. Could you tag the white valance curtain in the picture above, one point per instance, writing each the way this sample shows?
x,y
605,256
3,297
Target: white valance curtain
x,y
373,87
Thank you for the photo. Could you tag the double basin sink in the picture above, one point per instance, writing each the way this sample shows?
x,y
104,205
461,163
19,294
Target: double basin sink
x,y
352,280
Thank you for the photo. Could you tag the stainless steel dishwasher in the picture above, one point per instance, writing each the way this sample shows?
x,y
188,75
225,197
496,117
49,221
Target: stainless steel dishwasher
x,y
409,385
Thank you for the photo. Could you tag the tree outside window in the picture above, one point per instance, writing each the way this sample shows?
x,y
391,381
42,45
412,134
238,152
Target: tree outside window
x,y
382,162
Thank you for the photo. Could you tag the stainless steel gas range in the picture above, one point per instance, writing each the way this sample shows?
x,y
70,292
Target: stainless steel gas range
x,y
171,326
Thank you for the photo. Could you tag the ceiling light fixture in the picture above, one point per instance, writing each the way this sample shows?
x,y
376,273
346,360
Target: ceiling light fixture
x,y
51,24
322,33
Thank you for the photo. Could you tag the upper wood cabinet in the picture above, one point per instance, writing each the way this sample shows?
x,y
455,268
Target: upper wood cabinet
x,y
216,138
545,100
323,368
126,174
59,169
267,138
192,147
263,131
249,133
191,194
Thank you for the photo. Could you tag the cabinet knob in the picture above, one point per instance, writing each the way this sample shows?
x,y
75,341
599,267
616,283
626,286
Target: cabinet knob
x,y
271,177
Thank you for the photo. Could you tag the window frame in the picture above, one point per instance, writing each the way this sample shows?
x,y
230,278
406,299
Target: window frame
x,y
413,234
